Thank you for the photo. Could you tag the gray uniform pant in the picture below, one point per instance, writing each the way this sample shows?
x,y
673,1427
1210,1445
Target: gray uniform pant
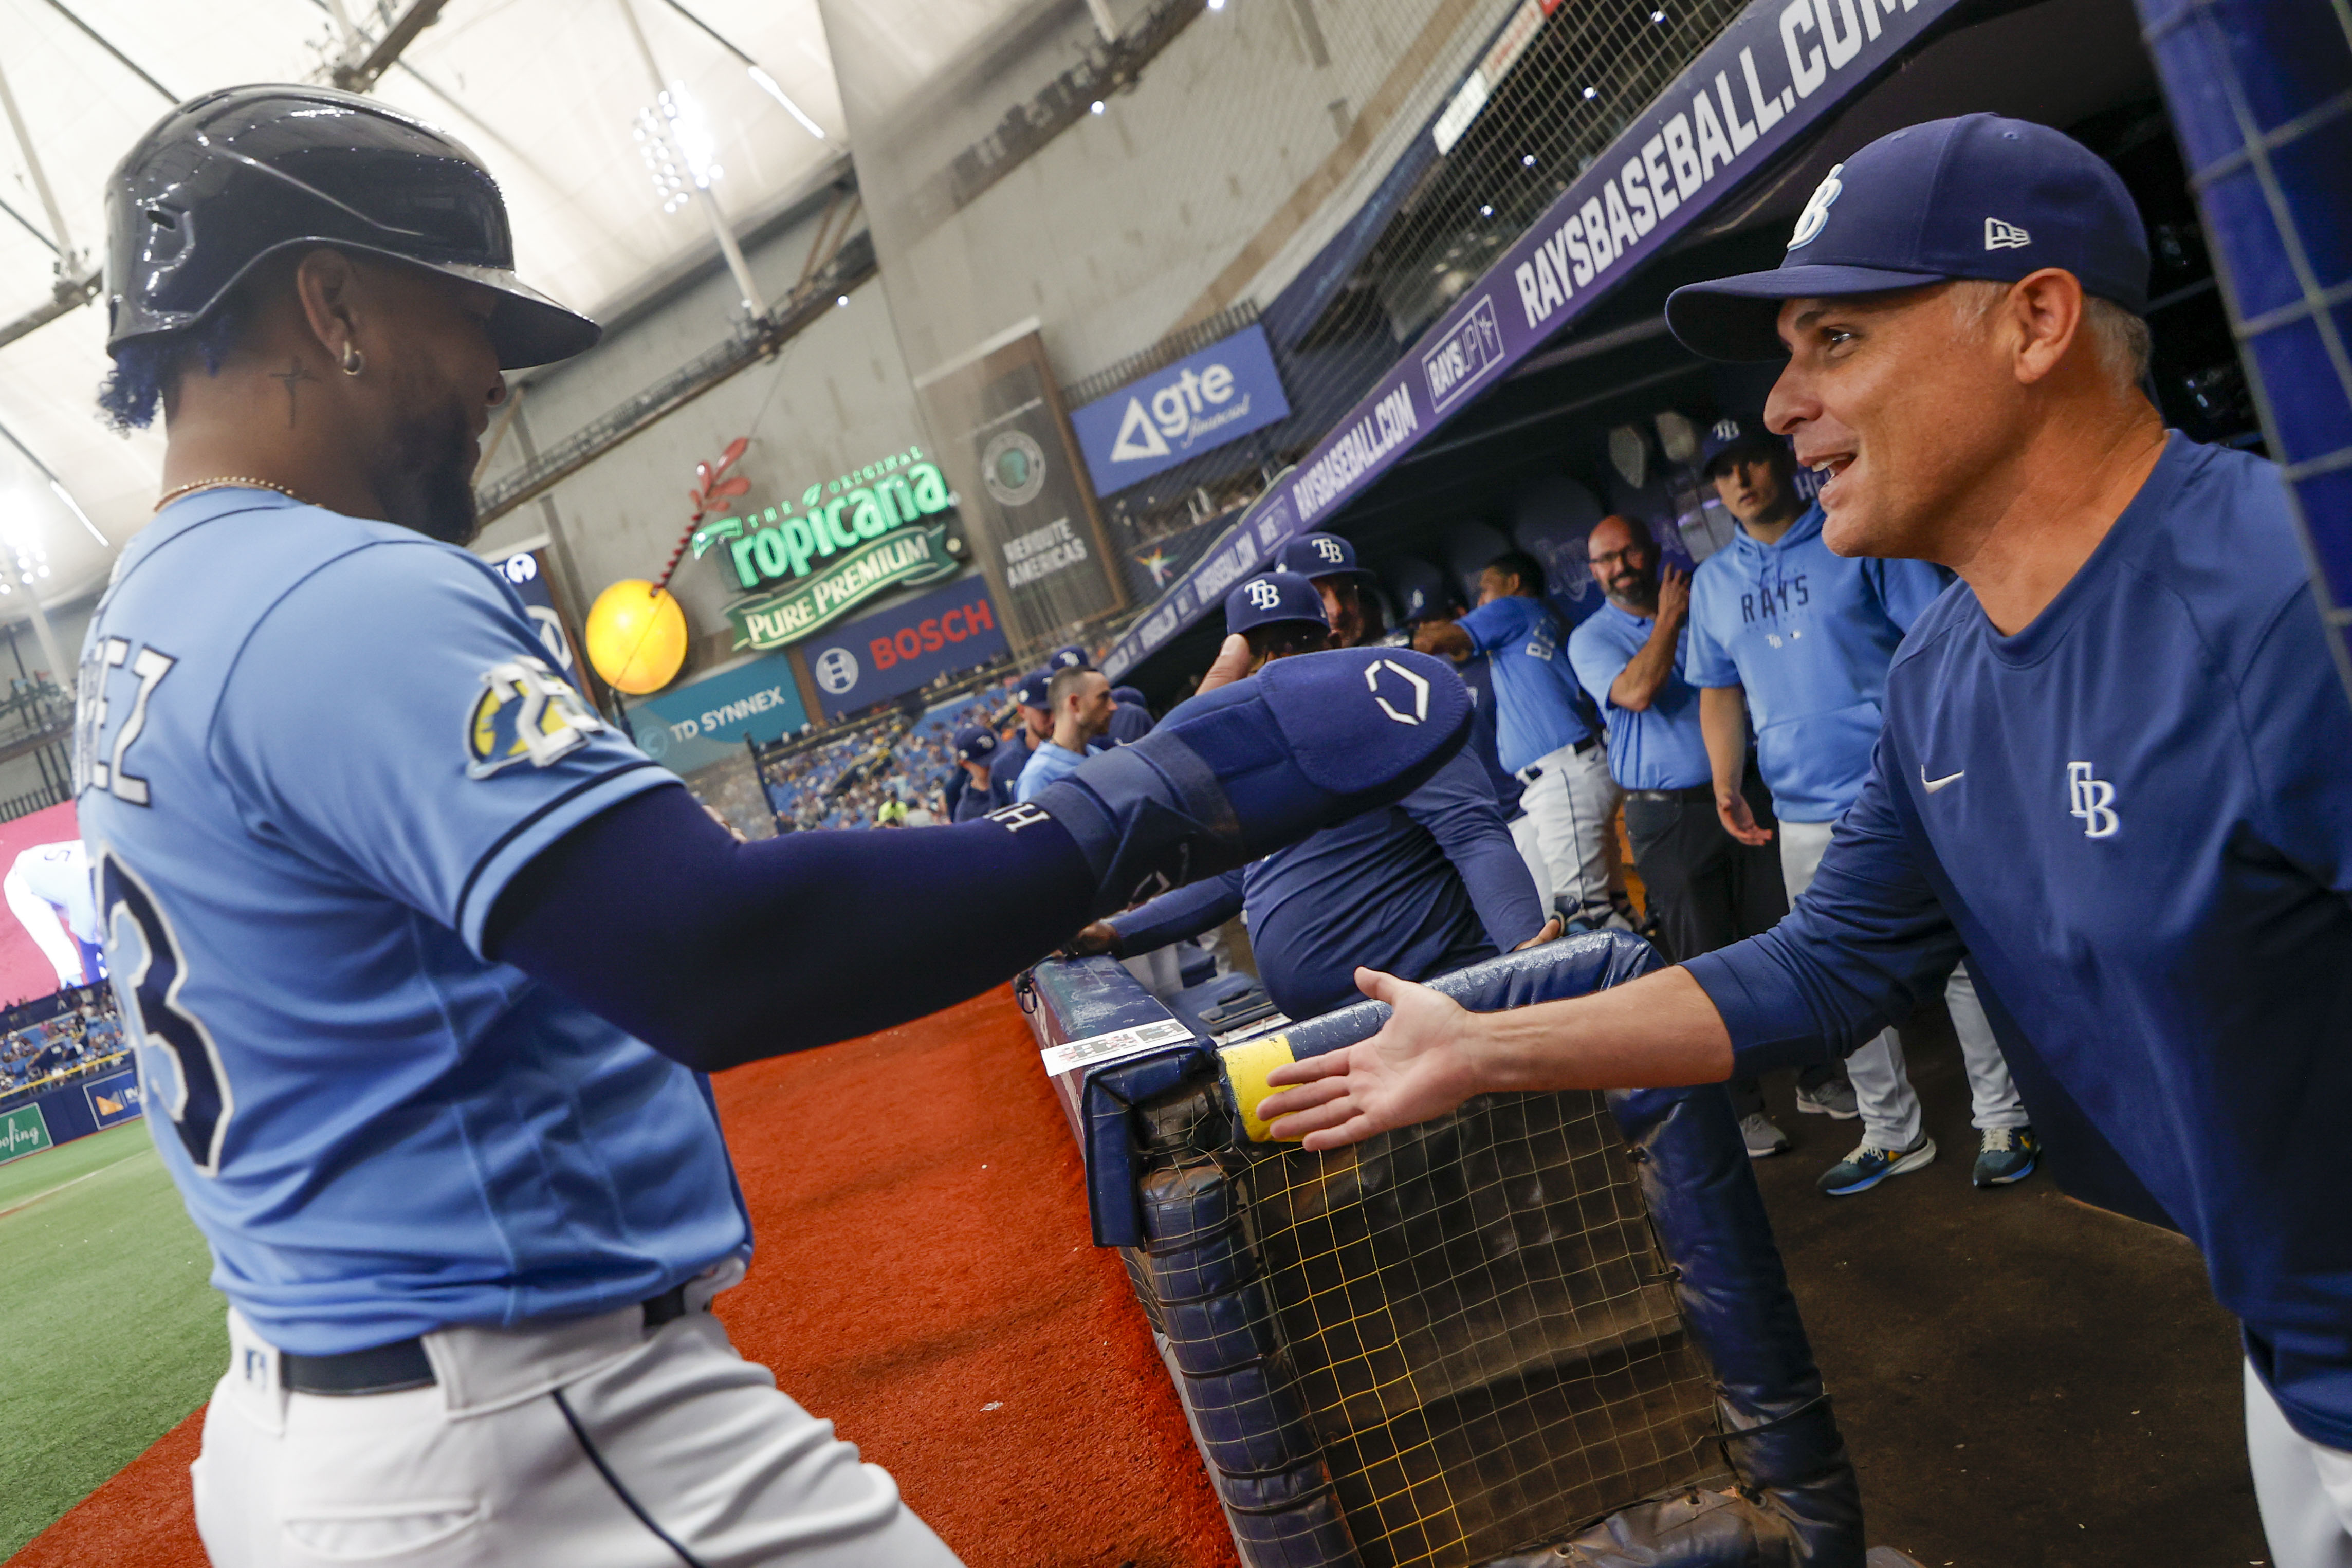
x,y
2304,1489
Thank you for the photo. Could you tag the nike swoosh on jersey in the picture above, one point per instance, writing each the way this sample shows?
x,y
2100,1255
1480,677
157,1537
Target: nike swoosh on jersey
x,y
1932,785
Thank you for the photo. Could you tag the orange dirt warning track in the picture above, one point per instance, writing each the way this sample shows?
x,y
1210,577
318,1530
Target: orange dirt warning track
x,y
922,1256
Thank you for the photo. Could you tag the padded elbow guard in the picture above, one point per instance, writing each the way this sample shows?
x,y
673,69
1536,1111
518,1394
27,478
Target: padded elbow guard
x,y
1307,742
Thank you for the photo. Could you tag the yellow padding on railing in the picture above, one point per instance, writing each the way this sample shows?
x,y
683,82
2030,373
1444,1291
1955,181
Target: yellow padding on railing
x,y
1246,1065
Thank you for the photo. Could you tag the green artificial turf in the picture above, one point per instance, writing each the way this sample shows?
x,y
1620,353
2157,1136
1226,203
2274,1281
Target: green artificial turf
x,y
109,1334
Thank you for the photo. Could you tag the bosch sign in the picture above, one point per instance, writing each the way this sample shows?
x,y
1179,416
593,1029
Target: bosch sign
x,y
1197,405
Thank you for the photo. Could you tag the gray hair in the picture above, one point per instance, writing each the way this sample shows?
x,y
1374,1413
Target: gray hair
x,y
2119,338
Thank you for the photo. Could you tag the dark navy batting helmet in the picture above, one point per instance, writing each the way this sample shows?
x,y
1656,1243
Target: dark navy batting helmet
x,y
226,179
1273,596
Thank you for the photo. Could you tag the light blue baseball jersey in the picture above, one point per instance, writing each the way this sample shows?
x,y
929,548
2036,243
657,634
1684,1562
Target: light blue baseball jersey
x,y
1536,707
1660,747
1047,763
1809,633
311,753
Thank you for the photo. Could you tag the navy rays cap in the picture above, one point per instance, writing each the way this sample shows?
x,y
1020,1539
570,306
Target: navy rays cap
x,y
1318,555
1070,658
1273,596
1031,691
974,741
1420,592
1729,435
1981,196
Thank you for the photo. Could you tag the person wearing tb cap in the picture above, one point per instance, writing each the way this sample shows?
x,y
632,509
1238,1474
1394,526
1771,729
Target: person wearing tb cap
x,y
1328,562
2115,770
1797,638
1036,711
966,787
1425,886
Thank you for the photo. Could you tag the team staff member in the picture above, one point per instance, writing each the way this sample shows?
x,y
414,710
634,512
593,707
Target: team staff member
x,y
1035,711
2117,769
1130,722
967,787
1541,729
1706,888
1351,607
1433,882
1082,706
1783,628
424,961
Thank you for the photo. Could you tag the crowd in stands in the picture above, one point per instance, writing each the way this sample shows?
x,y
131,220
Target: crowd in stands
x,y
58,1047
888,773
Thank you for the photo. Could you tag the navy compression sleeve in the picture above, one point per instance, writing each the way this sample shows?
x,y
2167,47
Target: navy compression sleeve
x,y
1172,917
718,953
1457,807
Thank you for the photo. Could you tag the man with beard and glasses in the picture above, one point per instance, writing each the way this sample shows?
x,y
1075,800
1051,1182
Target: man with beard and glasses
x,y
1706,888
424,962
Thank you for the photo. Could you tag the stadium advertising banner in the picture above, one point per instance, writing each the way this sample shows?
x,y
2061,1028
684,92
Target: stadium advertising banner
x,y
1195,405
114,1098
1030,510
905,646
22,1132
695,725
53,940
1771,75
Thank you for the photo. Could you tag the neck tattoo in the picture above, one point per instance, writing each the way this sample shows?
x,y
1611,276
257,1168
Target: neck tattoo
x,y
292,374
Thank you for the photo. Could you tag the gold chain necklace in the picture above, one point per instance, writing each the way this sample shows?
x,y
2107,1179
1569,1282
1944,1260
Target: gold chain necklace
x,y
225,481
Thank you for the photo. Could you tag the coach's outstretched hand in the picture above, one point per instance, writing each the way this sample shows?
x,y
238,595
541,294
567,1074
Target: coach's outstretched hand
x,y
1417,1067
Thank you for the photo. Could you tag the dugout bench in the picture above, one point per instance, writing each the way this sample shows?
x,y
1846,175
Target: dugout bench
x,y
1547,1331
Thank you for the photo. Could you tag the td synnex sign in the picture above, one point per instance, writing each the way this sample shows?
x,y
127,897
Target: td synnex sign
x,y
1197,405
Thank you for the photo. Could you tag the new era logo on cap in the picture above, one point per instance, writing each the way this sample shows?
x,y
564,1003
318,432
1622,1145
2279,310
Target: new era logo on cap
x,y
1915,208
1999,236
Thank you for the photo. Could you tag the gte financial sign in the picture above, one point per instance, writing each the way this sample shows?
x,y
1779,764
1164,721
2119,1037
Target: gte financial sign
x,y
1199,403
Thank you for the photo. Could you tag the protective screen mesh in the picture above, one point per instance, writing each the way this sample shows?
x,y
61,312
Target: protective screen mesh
x,y
1476,1321
1339,173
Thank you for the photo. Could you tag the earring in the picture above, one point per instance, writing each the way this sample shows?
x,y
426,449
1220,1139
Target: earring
x,y
354,361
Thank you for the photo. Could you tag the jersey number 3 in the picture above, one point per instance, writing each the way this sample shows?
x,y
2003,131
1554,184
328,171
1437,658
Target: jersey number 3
x,y
197,1100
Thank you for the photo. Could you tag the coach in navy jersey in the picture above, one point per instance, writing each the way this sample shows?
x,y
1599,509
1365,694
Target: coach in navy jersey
x,y
2117,768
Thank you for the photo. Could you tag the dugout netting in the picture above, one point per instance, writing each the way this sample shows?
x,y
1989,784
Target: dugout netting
x,y
1540,1316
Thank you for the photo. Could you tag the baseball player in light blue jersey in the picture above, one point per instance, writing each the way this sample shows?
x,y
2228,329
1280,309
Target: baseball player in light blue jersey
x,y
1785,630
424,961
1079,699
2117,768
49,891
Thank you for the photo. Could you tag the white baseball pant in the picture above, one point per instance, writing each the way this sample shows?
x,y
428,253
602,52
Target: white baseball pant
x,y
2304,1489
1571,800
592,1443
1882,1085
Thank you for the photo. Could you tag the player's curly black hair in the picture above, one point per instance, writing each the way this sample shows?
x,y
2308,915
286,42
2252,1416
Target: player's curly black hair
x,y
146,369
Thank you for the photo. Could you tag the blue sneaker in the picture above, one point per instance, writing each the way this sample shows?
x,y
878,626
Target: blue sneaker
x,y
2006,1155
1869,1165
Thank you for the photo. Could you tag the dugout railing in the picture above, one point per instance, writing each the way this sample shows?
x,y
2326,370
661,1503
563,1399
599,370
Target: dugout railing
x,y
1548,1329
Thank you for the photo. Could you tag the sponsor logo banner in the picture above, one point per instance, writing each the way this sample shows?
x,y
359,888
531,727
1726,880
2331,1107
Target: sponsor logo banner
x,y
22,1132
1773,74
115,1097
907,646
695,725
1197,405
898,559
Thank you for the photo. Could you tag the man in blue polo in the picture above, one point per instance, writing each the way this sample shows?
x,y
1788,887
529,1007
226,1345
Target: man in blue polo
x,y
1543,730
2117,769
1130,721
1797,638
1708,888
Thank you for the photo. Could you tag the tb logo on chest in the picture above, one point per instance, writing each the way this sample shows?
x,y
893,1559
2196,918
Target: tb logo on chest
x,y
2092,800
